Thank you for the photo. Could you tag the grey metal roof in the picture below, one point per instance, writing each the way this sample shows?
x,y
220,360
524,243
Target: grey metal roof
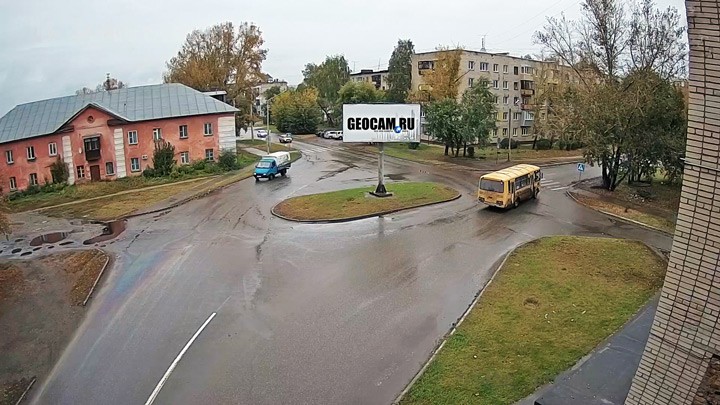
x,y
132,104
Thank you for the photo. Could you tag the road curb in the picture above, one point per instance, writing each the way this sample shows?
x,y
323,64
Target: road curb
x,y
357,218
97,279
457,324
621,218
26,391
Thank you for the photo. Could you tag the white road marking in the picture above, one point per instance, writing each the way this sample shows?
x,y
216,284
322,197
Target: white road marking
x,y
559,188
174,364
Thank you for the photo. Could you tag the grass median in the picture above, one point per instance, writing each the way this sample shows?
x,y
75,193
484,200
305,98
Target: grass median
x,y
554,300
357,202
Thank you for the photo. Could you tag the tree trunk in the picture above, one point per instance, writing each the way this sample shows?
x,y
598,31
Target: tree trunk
x,y
465,149
457,150
446,149
535,141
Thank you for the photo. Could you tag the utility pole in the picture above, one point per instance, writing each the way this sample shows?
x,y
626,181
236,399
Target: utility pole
x,y
508,133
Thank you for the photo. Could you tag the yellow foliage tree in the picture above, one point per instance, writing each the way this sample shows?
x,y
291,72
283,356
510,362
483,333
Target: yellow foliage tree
x,y
443,80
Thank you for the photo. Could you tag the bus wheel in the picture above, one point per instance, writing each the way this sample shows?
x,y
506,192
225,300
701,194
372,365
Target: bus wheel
x,y
516,203
535,194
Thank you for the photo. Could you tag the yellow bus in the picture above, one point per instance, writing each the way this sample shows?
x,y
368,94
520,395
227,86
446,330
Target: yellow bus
x,y
507,187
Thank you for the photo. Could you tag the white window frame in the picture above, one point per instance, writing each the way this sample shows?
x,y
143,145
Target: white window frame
x,y
13,183
33,179
80,171
157,134
517,116
496,67
30,150
52,149
497,100
496,84
471,65
183,134
205,129
132,166
184,158
525,131
506,100
210,157
506,85
470,81
505,68
132,135
9,157
515,132
504,132
112,167
484,66
505,116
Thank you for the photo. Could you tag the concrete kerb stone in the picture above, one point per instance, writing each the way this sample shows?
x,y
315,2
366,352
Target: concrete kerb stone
x,y
357,218
457,324
97,279
22,397
621,218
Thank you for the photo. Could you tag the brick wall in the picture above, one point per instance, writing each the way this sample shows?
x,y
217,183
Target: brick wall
x,y
685,333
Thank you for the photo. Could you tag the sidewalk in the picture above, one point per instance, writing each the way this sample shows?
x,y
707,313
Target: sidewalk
x,y
605,375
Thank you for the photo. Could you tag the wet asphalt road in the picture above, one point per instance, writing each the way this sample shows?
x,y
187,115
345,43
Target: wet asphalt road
x,y
305,314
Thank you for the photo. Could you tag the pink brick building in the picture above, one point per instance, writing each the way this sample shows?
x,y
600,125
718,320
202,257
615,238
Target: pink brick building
x,y
110,135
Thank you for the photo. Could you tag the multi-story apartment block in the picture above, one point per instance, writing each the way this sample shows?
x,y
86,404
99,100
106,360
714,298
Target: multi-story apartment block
x,y
511,79
377,78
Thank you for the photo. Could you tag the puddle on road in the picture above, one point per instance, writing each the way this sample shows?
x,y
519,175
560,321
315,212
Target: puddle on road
x,y
25,253
111,231
16,250
53,237
396,177
67,243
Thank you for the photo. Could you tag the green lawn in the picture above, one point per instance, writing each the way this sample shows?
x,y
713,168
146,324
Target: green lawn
x,y
262,145
356,202
553,302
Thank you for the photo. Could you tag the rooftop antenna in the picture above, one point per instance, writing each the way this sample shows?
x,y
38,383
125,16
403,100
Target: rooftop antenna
x,y
483,43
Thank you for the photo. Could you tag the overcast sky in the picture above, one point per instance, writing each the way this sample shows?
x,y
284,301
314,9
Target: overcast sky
x,y
51,48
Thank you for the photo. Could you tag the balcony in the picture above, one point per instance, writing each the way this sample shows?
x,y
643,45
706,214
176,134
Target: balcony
x,y
527,92
92,148
527,107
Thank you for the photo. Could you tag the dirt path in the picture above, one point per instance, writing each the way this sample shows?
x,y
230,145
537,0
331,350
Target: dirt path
x,y
40,308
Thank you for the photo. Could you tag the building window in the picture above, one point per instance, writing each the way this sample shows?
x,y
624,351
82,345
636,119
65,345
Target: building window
x,y
13,183
33,179
157,134
496,84
515,85
470,81
9,157
494,132
515,69
529,116
497,99
207,128
132,138
516,100
109,168
514,131
505,116
496,67
505,85
31,153
516,116
504,131
52,149
209,155
183,132
526,130
471,64
134,164
80,172
184,158
483,66
506,99
505,68
92,148
527,70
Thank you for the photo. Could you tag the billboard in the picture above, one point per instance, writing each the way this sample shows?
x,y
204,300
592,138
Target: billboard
x,y
381,123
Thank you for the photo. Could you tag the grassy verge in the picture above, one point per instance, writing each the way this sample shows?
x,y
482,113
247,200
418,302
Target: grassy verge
x,y
262,145
553,302
627,212
356,202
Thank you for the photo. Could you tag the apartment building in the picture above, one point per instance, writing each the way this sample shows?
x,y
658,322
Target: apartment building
x,y
377,78
511,79
110,134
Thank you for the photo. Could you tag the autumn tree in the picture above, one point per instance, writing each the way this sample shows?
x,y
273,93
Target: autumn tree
x,y
297,111
443,121
222,57
328,77
400,71
443,79
623,108
360,92
477,116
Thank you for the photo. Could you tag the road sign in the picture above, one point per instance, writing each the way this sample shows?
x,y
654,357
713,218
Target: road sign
x,y
581,167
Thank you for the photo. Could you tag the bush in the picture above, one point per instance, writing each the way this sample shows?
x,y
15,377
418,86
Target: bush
x,y
471,151
149,172
185,169
504,144
228,160
59,171
569,144
413,145
543,144
199,165
163,158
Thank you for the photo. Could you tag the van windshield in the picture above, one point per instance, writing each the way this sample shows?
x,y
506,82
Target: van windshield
x,y
492,185
264,164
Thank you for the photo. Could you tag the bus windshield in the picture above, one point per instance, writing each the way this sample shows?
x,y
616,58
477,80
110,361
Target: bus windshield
x,y
492,185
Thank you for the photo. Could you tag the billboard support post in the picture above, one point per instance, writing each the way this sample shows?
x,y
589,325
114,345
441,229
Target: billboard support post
x,y
380,190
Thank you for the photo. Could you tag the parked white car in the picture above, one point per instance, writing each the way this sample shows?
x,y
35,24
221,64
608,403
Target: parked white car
x,y
333,135
261,133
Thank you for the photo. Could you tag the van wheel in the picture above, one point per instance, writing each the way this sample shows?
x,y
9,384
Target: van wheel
x,y
256,178
283,173
272,177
